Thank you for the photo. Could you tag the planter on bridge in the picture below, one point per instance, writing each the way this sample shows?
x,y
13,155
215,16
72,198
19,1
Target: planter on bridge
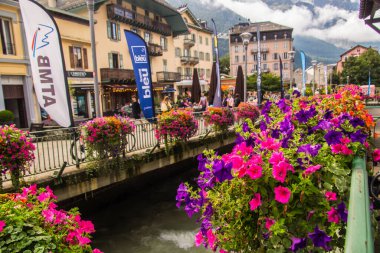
x,y
247,111
285,185
220,118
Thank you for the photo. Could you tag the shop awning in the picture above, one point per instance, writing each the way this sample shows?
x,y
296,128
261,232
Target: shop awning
x,y
190,82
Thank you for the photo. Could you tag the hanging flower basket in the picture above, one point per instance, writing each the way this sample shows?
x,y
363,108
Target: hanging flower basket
x,y
247,111
220,118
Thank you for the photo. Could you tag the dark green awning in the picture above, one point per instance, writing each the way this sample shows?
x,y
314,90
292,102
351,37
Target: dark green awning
x,y
172,16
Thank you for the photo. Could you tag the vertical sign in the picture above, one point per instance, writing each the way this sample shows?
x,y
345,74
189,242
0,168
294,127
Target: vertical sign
x,y
218,96
369,83
138,51
303,61
281,80
46,61
259,92
326,82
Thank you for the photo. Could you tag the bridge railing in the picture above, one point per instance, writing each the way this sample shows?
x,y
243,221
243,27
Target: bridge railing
x,y
359,236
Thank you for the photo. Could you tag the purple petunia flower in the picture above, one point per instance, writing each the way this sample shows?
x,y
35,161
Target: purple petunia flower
x,y
263,126
285,125
342,211
246,127
358,136
310,149
296,93
222,171
283,106
275,133
266,236
322,125
328,115
333,137
239,139
206,180
357,122
182,195
266,108
320,238
303,116
297,244
202,161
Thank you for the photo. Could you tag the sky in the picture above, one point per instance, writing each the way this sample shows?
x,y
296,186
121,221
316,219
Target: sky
x,y
346,28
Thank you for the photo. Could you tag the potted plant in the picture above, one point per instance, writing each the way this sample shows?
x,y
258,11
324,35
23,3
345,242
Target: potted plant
x,y
6,117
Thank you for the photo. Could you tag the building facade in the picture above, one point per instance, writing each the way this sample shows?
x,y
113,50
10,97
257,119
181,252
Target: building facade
x,y
353,52
276,41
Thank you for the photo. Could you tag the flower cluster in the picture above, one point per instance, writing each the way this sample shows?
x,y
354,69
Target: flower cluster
x,y
219,117
247,111
34,212
179,125
107,135
285,184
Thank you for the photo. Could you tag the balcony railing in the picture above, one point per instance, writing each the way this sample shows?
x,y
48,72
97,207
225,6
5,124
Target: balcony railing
x,y
189,60
189,42
154,49
262,50
121,14
119,76
164,76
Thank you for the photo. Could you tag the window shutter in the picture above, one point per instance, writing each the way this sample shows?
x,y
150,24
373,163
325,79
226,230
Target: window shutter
x,y
108,29
121,61
118,31
110,60
85,58
71,50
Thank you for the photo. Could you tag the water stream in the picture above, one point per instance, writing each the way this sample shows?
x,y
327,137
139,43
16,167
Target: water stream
x,y
147,222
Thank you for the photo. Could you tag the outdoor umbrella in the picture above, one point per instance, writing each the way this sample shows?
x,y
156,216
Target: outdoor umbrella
x,y
213,84
195,88
239,87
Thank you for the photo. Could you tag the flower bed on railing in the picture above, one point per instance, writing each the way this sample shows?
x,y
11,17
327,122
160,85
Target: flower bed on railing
x,y
220,118
31,222
16,153
285,185
247,111
106,136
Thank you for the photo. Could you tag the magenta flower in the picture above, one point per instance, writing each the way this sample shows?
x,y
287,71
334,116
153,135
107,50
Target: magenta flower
x,y
282,194
254,171
270,144
279,171
211,238
333,215
255,202
330,196
2,225
97,251
311,170
269,223
276,158
237,162
376,155
199,239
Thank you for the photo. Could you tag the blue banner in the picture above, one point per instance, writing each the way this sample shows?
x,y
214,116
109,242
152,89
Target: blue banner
x,y
281,80
218,96
303,61
369,83
138,51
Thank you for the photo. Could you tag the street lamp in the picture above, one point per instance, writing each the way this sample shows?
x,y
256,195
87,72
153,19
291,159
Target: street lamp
x,y
314,63
291,55
246,38
90,6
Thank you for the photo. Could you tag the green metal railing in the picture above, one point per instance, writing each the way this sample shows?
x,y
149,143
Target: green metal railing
x,y
359,237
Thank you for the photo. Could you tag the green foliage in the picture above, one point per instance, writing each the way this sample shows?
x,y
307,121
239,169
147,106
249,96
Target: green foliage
x,y
308,92
6,116
225,64
358,68
269,82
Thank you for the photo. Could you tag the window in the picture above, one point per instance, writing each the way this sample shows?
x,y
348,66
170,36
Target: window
x,y
264,37
254,38
243,58
276,45
206,41
286,65
196,53
275,56
285,55
164,43
275,66
254,57
285,35
285,44
179,70
78,57
147,37
115,60
6,35
200,39
207,56
208,72
113,30
165,64
265,66
236,49
236,58
201,56
193,37
186,52
188,72
177,52
135,30
275,37
264,57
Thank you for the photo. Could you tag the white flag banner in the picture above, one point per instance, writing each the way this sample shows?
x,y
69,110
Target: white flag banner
x,y
46,59
326,81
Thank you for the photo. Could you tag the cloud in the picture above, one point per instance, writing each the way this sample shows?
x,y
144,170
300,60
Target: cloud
x,y
327,23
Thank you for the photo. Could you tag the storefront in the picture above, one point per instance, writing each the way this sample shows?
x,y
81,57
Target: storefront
x,y
184,87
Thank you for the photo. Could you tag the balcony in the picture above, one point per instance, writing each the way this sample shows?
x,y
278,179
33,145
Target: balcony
x,y
188,42
118,13
163,77
262,50
117,76
154,49
189,60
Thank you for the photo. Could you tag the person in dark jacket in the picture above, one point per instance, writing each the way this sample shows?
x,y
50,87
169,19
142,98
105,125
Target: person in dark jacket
x,y
136,110
237,100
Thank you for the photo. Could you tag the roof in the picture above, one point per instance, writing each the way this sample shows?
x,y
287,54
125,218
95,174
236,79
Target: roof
x,y
365,8
264,27
197,22
351,49
172,16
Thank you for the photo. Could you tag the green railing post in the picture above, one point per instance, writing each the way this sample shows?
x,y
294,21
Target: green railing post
x,y
359,237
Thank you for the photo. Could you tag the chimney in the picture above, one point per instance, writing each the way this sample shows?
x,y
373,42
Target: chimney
x,y
52,3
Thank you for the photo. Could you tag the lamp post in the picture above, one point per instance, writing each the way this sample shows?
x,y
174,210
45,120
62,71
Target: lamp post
x,y
246,38
291,55
314,63
90,6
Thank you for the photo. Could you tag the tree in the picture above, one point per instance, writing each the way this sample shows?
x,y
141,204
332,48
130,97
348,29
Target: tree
x,y
358,68
269,82
225,64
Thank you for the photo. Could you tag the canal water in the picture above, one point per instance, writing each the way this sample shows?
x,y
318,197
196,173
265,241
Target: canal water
x,y
147,221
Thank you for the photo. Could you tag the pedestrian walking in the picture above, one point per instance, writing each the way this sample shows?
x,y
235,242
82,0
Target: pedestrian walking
x,y
136,110
203,102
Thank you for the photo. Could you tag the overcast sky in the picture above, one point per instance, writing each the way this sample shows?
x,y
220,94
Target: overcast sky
x,y
348,27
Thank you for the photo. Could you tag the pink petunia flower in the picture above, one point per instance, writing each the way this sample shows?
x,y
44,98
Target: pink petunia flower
x,y
97,251
255,202
199,239
237,162
279,171
376,155
311,170
211,238
282,194
222,251
333,215
276,158
254,171
270,144
269,223
2,225
330,196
